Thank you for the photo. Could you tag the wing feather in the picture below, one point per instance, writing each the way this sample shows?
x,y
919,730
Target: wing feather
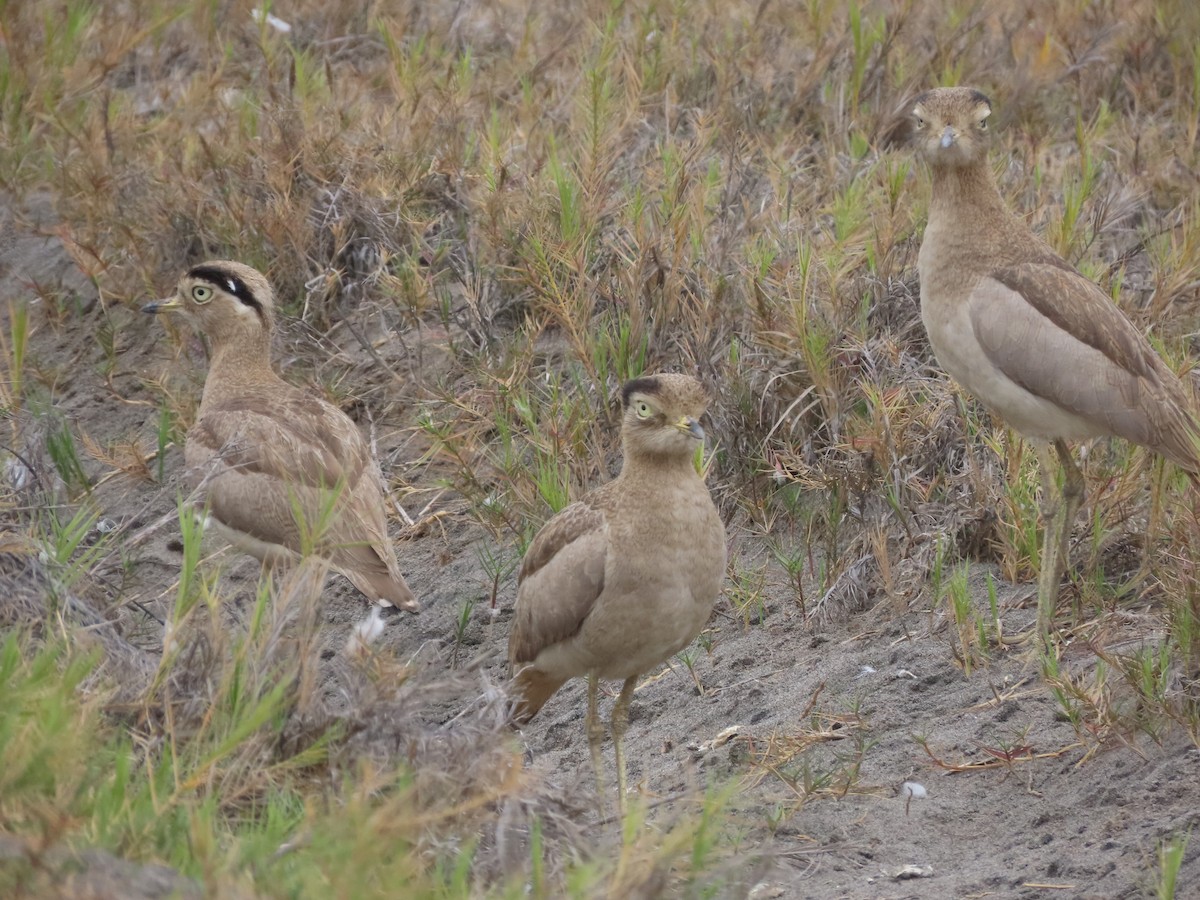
x,y
296,437
257,461
561,577
1078,307
1061,338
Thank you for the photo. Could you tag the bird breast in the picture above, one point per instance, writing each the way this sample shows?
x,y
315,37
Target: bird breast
x,y
663,575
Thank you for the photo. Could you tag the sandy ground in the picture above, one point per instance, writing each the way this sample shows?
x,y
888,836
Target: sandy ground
x,y
1016,804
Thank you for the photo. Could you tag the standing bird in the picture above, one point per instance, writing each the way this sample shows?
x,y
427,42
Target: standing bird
x,y
1027,334
279,470
618,582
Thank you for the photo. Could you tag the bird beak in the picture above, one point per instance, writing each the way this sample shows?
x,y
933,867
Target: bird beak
x,y
691,426
947,137
164,305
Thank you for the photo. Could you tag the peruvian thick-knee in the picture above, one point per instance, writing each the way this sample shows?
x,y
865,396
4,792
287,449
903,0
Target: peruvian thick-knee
x,y
619,581
1022,330
280,471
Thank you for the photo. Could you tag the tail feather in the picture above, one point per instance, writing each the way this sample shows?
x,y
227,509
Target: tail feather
x,y
531,689
385,590
363,634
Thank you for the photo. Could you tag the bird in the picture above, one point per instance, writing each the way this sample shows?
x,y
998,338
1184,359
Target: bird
x,y
278,470
1026,333
620,580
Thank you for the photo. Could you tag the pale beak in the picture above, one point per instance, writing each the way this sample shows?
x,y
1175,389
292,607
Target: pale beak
x,y
691,426
947,137
164,305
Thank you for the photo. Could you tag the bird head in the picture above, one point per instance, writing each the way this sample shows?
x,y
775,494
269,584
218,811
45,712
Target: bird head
x,y
950,125
224,300
662,415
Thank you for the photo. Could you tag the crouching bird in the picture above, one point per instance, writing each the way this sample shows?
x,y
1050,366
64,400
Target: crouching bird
x,y
619,581
279,471
1017,326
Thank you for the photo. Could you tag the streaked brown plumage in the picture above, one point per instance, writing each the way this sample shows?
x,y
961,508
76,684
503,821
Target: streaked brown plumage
x,y
280,470
1026,333
621,580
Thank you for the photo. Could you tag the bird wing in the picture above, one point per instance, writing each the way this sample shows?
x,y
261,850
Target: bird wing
x,y
365,552
295,438
256,460
561,577
1057,335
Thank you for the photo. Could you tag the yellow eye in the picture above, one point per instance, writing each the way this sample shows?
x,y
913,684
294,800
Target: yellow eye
x,y
643,409
202,294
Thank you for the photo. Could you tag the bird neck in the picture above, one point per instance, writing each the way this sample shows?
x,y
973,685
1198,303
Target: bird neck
x,y
650,467
970,225
237,364
966,191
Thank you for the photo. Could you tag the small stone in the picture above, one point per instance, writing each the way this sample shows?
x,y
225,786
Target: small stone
x,y
765,890
726,735
904,873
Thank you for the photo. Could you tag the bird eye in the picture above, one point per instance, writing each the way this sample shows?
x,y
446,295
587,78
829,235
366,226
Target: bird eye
x,y
202,294
920,122
983,124
643,409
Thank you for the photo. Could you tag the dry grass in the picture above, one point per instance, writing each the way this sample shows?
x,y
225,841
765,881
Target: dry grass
x,y
536,201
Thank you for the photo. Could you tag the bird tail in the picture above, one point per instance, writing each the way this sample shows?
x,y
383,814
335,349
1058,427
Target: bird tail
x,y
531,689
362,635
1179,427
385,589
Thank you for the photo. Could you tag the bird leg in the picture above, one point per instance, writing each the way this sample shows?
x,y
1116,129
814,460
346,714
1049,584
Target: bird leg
x,y
1048,567
620,724
1073,493
1059,514
595,735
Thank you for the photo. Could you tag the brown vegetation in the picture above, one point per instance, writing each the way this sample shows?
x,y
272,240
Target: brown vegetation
x,y
480,219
